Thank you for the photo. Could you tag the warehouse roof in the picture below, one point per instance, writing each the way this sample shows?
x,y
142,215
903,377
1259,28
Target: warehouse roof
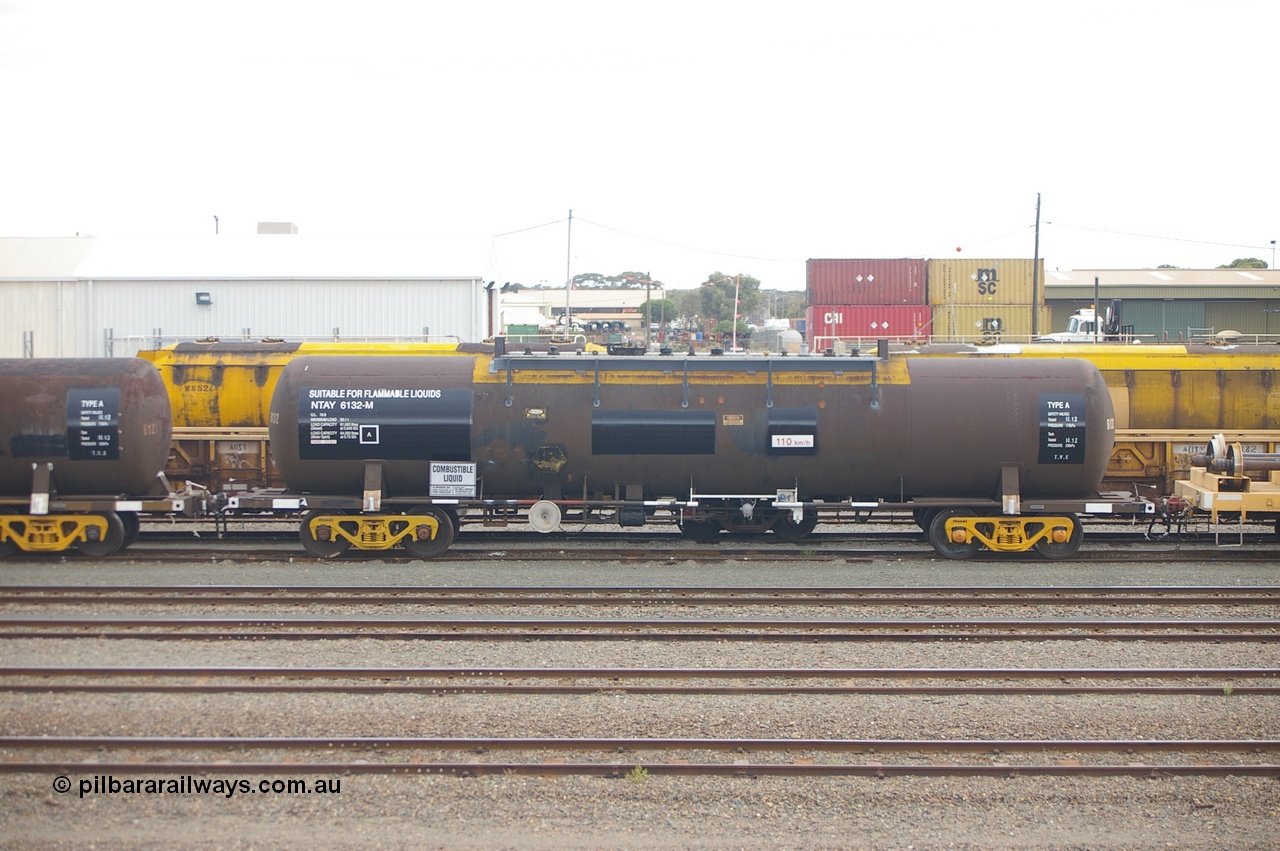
x,y
1163,277
43,259
255,257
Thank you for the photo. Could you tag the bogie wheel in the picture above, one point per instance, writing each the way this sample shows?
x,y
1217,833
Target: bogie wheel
x,y
701,531
942,543
132,527
1066,548
318,548
924,517
792,532
111,542
8,548
431,547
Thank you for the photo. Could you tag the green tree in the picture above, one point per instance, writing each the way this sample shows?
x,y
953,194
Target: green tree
x,y
688,307
659,310
781,304
1246,263
718,293
622,280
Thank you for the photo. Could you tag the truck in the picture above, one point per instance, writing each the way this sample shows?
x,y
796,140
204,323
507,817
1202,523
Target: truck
x,y
1085,326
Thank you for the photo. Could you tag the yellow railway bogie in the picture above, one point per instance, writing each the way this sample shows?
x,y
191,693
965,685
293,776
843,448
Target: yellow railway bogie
x,y
372,531
1053,536
51,533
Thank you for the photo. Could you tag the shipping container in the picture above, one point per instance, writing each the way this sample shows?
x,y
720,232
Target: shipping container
x,y
987,323
867,321
969,282
866,281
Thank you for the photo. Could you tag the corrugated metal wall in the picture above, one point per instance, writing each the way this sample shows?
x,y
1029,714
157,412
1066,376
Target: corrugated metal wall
x,y
43,312
72,319
1163,319
1255,316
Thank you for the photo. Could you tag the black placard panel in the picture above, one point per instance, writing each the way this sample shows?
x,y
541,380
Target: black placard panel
x,y
1062,428
793,431
38,445
93,423
394,424
653,433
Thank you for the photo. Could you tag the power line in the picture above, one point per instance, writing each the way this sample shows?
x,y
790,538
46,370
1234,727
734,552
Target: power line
x,y
534,227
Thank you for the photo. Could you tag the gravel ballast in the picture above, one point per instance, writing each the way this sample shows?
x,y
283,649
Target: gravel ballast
x,y
657,811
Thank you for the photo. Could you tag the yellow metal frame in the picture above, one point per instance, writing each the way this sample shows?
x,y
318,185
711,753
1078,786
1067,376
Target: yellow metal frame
x,y
371,531
1009,534
49,533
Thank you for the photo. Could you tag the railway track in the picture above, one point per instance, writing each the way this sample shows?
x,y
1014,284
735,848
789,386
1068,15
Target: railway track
x,y
292,613
663,681
1203,630
545,756
545,595
642,551
744,613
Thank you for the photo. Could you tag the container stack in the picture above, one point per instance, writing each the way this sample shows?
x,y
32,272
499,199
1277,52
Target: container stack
x,y
985,300
854,300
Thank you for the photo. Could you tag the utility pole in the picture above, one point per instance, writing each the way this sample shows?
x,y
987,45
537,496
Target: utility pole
x,y
1035,278
568,273
648,309
737,282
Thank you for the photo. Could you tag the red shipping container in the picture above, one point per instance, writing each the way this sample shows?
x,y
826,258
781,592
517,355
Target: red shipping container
x,y
866,282
867,321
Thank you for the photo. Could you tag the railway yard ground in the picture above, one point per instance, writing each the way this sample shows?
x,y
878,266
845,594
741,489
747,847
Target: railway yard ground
x,y
633,691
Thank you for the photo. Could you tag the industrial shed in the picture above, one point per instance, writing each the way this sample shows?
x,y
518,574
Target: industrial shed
x,y
108,296
1173,304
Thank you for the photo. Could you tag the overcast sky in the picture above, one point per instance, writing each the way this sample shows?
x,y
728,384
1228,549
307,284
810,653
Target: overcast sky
x,y
687,137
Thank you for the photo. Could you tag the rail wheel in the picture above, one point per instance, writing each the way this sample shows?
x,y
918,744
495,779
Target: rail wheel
x,y
924,517
789,531
701,531
942,542
320,548
1069,544
431,547
132,527
8,548
110,543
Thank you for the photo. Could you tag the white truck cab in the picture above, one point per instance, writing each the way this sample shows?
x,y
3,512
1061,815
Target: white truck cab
x,y
1085,326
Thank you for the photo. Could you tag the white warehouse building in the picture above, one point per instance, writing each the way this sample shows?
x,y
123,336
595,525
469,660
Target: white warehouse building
x,y
110,296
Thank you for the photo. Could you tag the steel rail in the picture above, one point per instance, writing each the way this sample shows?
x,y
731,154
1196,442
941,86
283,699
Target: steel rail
x,y
1096,625
632,636
701,555
619,770
482,744
624,688
224,680
644,673
701,596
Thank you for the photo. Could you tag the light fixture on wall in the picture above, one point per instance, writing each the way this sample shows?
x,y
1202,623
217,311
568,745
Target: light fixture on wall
x,y
204,298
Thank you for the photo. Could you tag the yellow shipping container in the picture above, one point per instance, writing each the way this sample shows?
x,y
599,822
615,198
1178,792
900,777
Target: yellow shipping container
x,y
983,281
986,323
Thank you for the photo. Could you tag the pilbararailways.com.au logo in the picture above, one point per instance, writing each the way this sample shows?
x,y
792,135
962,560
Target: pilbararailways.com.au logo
x,y
189,784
